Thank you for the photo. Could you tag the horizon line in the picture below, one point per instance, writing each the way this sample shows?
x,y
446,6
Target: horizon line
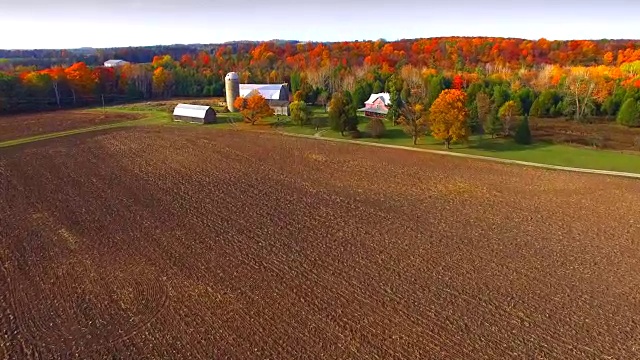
x,y
313,41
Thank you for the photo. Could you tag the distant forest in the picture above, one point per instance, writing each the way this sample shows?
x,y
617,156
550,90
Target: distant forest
x,y
574,78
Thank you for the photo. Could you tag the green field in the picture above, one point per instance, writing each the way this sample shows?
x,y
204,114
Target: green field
x,y
538,152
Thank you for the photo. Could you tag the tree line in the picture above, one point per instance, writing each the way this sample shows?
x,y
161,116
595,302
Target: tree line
x,y
534,75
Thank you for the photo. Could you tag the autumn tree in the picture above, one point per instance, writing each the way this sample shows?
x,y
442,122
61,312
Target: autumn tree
x,y
628,114
300,113
298,96
57,75
323,98
413,119
507,113
80,79
162,82
253,108
239,103
39,82
342,113
583,88
483,107
448,117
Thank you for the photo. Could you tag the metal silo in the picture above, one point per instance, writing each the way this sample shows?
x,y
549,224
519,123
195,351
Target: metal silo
x,y
232,89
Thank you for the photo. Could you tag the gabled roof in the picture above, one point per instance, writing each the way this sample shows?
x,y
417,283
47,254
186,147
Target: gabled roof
x,y
194,111
268,91
385,97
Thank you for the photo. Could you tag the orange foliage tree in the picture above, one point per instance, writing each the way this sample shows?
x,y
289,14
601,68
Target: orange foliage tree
x,y
448,117
162,82
253,108
80,79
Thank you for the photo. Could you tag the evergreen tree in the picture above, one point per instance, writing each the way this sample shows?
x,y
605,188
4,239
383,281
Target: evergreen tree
x,y
501,95
342,113
394,87
493,124
536,108
296,82
377,87
436,85
526,97
361,93
628,115
523,132
612,104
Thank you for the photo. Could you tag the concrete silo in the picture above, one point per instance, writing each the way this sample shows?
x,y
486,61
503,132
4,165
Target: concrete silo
x,y
232,89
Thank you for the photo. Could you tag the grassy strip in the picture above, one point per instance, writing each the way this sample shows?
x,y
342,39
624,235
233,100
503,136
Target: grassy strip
x,y
152,118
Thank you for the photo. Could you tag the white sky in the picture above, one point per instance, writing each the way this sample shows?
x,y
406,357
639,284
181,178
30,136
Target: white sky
x,y
26,24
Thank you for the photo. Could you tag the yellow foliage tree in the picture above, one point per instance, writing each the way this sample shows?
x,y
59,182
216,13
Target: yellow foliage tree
x,y
507,113
448,117
413,120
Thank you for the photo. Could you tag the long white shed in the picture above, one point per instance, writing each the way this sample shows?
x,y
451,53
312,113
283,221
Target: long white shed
x,y
194,113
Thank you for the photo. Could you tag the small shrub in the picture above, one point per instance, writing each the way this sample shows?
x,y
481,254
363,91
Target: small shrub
x,y
628,114
597,141
355,134
376,128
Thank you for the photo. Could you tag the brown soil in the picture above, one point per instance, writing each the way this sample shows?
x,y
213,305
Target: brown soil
x,y
600,133
174,242
26,125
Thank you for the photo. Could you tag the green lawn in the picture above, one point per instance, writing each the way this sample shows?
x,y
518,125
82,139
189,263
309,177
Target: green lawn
x,y
539,152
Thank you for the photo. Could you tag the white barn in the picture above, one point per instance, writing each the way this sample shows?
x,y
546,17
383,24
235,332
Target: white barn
x,y
277,95
268,91
194,113
115,63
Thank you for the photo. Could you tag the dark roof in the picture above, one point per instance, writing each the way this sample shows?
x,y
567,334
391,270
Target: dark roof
x,y
374,110
278,102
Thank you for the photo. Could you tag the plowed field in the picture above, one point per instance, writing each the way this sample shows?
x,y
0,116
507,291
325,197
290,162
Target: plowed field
x,y
25,125
179,243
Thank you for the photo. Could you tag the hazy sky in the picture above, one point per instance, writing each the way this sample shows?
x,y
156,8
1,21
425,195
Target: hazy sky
x,y
26,24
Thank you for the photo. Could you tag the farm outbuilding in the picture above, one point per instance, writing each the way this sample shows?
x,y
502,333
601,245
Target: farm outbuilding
x,y
280,107
277,95
194,113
